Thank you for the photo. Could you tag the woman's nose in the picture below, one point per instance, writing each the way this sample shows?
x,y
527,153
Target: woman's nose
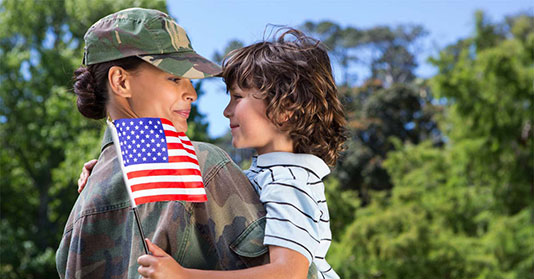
x,y
189,94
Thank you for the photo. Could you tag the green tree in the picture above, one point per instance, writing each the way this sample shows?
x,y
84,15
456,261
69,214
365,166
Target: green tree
x,y
389,103
464,209
488,87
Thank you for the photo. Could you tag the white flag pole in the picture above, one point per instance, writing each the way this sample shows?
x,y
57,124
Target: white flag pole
x,y
126,182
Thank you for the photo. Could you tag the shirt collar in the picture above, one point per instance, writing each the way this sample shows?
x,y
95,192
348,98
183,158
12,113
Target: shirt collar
x,y
307,161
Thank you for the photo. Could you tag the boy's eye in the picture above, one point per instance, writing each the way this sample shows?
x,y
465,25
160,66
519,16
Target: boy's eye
x,y
236,96
175,79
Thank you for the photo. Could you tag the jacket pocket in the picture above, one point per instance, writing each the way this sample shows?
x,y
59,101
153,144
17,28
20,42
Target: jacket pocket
x,y
249,244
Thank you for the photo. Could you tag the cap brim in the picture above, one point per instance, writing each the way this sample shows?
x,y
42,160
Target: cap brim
x,y
184,64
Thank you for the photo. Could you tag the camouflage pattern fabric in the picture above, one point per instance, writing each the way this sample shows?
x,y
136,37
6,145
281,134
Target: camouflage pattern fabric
x,y
150,35
101,239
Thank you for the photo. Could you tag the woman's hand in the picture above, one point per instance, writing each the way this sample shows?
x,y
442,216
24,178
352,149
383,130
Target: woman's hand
x,y
86,171
159,264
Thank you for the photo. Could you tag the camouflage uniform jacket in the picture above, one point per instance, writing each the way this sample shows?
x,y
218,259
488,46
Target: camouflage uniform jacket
x,y
101,239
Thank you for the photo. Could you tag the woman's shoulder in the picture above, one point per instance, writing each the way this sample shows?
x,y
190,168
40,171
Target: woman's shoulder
x,y
210,155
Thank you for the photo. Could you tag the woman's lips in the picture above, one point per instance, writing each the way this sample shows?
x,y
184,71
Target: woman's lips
x,y
233,126
184,113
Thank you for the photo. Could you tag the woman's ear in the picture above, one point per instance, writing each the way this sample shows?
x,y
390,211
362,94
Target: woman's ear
x,y
118,81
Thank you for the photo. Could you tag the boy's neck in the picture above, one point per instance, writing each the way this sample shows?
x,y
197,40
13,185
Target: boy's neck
x,y
281,144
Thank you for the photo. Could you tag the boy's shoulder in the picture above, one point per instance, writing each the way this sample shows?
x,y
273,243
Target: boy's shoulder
x,y
296,165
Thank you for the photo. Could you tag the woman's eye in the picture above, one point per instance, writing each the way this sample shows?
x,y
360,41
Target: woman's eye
x,y
236,96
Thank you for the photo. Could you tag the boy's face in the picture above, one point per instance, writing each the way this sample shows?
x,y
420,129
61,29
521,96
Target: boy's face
x,y
250,126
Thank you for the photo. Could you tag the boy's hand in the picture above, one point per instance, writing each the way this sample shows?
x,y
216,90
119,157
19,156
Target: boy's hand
x,y
159,264
86,171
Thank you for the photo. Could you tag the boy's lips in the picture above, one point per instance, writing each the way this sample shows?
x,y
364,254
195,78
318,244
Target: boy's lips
x,y
233,126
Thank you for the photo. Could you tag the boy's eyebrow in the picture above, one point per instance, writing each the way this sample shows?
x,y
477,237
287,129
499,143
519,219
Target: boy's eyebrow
x,y
232,88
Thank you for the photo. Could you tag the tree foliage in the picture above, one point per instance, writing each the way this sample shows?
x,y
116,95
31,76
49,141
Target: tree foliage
x,y
463,209
389,103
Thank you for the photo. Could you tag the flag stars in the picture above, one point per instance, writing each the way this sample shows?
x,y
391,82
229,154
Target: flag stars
x,y
142,142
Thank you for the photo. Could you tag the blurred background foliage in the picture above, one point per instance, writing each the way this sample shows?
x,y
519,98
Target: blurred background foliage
x,y
437,180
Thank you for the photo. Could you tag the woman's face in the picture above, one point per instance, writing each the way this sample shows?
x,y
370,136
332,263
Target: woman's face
x,y
155,93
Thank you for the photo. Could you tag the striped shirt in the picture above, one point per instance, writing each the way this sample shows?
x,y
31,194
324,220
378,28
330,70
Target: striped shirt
x,y
291,188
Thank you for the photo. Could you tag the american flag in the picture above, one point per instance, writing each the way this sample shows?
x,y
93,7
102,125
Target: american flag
x,y
160,164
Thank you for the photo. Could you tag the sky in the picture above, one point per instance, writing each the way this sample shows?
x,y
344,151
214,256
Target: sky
x,y
212,24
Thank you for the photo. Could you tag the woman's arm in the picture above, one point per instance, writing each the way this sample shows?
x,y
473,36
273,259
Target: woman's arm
x,y
285,263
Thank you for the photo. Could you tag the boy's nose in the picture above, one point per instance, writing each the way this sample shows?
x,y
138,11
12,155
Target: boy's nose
x,y
226,111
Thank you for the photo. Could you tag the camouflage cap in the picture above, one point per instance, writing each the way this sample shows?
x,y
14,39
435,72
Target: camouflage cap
x,y
150,35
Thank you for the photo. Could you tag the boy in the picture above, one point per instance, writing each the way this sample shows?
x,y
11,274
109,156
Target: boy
x,y
283,104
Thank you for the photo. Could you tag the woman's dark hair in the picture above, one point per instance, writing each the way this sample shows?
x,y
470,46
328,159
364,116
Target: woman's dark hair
x,y
296,82
91,85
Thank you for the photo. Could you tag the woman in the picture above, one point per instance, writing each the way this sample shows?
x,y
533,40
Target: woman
x,y
138,63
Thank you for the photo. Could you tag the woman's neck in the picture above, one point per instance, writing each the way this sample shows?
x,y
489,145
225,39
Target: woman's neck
x,y
118,108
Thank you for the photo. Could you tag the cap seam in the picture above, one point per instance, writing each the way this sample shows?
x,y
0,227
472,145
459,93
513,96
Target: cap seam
x,y
155,38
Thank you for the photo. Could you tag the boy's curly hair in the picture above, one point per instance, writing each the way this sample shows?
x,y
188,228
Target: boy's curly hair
x,y
295,80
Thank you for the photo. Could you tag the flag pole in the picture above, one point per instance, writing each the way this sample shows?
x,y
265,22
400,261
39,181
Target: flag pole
x,y
126,182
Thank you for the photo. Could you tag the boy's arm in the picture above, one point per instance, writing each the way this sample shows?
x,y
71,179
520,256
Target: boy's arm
x,y
285,263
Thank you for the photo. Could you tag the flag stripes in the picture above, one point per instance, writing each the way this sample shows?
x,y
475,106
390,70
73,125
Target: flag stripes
x,y
160,163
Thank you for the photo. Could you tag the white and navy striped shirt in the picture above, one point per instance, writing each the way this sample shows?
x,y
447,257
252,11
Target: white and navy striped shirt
x,y
291,189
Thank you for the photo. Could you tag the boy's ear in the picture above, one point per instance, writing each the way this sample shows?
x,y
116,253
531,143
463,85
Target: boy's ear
x,y
119,81
283,118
